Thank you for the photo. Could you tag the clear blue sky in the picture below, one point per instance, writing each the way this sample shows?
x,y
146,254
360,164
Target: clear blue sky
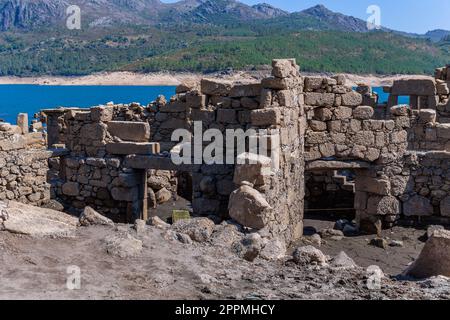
x,y
417,16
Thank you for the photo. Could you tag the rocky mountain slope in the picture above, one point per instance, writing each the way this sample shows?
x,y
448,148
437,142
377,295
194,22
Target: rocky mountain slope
x,y
437,35
199,36
30,14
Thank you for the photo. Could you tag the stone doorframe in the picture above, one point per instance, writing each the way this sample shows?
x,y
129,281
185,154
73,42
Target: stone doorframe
x,y
360,168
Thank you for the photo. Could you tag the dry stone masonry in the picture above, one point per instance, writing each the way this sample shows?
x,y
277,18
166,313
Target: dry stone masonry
x,y
23,163
319,135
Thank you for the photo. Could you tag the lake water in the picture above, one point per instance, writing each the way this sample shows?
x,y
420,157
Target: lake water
x,y
15,99
32,98
383,97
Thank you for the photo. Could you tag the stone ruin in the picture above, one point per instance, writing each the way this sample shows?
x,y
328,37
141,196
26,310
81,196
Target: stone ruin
x,y
322,138
23,163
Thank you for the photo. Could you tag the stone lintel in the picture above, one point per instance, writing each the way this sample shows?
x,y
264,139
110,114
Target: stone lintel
x,y
336,165
155,162
126,148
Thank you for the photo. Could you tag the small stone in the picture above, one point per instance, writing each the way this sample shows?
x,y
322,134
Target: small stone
x,y
350,230
363,112
123,246
163,195
432,229
331,234
158,223
379,242
90,217
184,238
342,260
139,226
275,249
249,247
199,229
340,224
396,243
315,239
309,255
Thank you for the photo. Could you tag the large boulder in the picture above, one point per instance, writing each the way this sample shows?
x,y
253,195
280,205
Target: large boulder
x,y
249,208
91,217
434,259
36,222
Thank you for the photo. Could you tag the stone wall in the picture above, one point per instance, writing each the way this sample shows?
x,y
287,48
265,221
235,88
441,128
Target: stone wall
x,y
425,93
92,172
317,124
23,164
426,133
442,77
339,126
280,178
414,186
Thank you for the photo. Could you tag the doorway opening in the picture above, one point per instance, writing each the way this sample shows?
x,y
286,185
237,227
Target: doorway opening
x,y
169,191
330,194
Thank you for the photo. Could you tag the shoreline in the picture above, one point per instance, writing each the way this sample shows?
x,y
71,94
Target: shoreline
x,y
174,79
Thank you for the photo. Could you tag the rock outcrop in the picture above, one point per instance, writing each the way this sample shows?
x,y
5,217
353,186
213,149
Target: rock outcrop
x,y
434,260
91,217
250,208
34,221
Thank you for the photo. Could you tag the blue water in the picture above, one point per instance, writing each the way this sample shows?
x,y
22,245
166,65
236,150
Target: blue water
x,y
15,99
383,97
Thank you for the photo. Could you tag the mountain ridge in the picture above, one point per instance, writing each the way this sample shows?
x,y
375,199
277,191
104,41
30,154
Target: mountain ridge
x,y
201,36
27,15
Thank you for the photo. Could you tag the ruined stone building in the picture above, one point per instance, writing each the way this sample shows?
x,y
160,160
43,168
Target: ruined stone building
x,y
325,142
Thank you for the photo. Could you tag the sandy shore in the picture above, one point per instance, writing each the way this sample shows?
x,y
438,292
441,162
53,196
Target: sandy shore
x,y
105,79
172,79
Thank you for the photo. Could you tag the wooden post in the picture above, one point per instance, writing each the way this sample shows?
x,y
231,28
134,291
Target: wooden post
x,y
392,101
144,195
414,102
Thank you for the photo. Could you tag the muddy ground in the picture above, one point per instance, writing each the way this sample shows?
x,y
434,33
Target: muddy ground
x,y
393,260
168,269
